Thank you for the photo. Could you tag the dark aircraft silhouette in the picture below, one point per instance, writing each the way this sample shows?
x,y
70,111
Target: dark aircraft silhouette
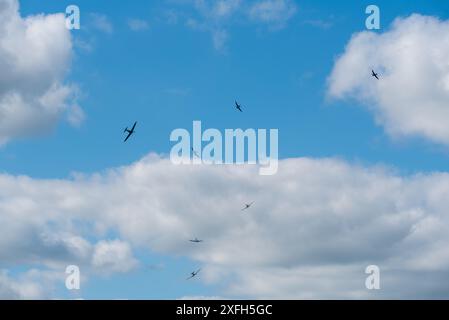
x,y
375,75
247,205
196,240
239,107
130,132
193,274
195,153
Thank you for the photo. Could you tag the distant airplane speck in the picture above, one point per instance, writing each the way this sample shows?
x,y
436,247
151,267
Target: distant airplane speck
x,y
193,274
375,75
238,106
195,153
247,205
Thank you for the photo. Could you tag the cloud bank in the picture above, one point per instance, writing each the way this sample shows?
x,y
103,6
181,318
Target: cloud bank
x,y
313,229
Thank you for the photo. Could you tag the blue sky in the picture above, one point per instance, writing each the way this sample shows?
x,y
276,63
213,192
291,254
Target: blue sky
x,y
169,74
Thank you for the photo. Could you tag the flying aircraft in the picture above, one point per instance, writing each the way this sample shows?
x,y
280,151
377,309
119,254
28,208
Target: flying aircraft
x,y
247,205
195,153
193,274
130,132
238,106
196,240
375,75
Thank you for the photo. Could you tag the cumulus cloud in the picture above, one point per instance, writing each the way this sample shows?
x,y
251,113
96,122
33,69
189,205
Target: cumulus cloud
x,y
113,256
412,96
35,54
313,228
32,284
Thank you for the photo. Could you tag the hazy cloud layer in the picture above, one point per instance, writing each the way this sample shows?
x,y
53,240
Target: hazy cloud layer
x,y
273,11
101,23
218,16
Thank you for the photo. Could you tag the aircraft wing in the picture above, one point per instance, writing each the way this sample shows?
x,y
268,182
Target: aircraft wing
x,y
129,135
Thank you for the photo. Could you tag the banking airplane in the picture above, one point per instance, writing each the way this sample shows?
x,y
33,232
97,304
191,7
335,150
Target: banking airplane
x,y
247,205
130,132
193,274
239,107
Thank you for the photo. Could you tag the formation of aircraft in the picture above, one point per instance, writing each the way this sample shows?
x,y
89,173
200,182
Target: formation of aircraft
x,y
247,205
130,132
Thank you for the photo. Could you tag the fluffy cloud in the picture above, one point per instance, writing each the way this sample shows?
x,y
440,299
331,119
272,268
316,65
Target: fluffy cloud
x,y
32,284
412,96
12,290
113,256
313,229
35,54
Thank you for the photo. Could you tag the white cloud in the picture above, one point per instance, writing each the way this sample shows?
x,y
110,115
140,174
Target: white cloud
x,y
273,11
29,285
138,25
35,53
311,232
113,256
412,96
76,115
220,9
